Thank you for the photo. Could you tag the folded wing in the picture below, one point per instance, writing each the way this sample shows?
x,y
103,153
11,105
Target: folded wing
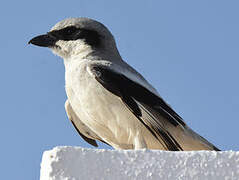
x,y
150,109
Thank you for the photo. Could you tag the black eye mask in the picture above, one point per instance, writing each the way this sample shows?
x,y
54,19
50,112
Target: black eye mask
x,y
71,33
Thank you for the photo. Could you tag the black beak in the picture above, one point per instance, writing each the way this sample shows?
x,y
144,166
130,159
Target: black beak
x,y
45,40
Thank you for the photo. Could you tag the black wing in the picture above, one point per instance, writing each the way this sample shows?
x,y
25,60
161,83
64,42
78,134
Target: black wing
x,y
90,141
149,108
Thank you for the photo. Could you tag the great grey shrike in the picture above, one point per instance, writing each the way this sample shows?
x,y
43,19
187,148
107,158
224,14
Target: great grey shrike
x,y
108,100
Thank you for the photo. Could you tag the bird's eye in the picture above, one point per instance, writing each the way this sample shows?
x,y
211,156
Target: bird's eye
x,y
69,30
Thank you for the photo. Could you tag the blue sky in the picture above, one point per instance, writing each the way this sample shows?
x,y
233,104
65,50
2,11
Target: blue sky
x,y
187,49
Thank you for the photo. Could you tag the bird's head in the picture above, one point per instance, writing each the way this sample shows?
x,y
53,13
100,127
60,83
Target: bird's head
x,y
77,37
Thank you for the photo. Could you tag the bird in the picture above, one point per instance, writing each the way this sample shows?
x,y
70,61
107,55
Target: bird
x,y
107,99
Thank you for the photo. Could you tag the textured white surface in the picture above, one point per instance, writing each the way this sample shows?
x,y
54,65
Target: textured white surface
x,y
74,163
